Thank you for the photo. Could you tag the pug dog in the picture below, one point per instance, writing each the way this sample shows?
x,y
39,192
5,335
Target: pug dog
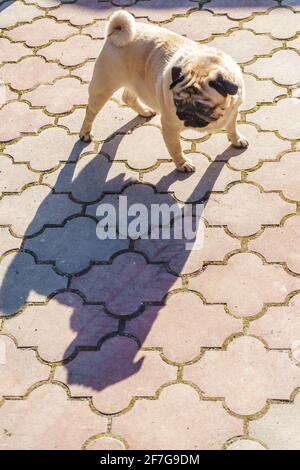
x,y
190,85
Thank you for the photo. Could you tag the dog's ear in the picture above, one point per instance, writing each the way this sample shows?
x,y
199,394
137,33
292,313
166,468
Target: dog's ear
x,y
177,76
224,86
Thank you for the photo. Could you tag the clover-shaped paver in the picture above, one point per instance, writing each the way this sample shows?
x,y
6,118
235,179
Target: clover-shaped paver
x,y
41,31
96,30
19,369
252,45
162,10
239,284
75,246
89,178
42,207
45,151
18,118
190,26
14,177
60,327
34,427
183,256
262,146
12,51
245,374
125,284
117,373
203,424
271,117
8,242
22,281
244,443
59,97
239,9
280,244
105,443
84,71
207,177
282,23
279,427
83,12
73,51
271,67
30,72
245,209
282,175
183,326
259,91
13,12
280,327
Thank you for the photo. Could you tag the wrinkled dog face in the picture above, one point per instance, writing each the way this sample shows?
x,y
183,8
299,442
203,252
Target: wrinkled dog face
x,y
200,102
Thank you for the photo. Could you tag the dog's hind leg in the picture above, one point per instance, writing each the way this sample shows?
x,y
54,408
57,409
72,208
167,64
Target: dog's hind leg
x,y
135,103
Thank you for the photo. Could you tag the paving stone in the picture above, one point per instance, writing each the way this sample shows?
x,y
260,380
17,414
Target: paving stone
x,y
6,94
245,209
207,177
83,12
280,426
59,97
271,67
11,51
73,51
252,45
121,295
117,360
259,91
295,43
19,369
22,280
30,72
60,327
30,425
44,3
8,242
14,177
96,30
41,32
279,243
270,117
245,444
239,284
85,71
245,374
133,150
105,443
75,246
262,146
90,178
162,10
190,26
183,256
239,9
284,175
111,119
45,151
280,327
17,119
16,12
203,424
184,326
282,23
42,207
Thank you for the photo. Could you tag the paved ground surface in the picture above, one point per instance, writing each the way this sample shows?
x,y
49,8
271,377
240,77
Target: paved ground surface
x,y
138,344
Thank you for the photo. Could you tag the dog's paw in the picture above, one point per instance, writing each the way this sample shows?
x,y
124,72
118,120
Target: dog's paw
x,y
240,143
86,136
187,166
147,112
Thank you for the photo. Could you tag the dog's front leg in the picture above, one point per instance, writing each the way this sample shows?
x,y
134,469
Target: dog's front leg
x,y
234,136
171,137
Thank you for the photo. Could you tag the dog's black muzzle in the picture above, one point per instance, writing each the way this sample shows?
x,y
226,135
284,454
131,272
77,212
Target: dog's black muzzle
x,y
195,114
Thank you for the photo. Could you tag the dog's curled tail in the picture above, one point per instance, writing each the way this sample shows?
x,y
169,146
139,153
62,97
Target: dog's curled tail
x,y
121,28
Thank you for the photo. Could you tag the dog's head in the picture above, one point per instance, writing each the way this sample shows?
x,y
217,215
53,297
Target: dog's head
x,y
201,91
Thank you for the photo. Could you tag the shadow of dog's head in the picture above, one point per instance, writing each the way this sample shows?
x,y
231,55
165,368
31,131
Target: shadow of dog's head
x,y
201,90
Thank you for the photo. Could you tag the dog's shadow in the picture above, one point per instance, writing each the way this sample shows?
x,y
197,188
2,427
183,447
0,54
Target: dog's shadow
x,y
106,301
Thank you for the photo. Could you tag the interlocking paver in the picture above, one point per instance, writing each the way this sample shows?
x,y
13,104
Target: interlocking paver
x,y
267,375
118,360
167,333
30,72
60,327
238,284
203,424
29,424
184,326
41,31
